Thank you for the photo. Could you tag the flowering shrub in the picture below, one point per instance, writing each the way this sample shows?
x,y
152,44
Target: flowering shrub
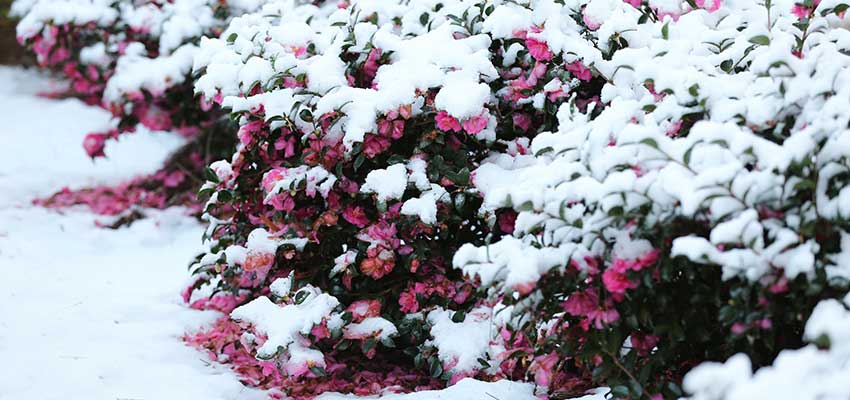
x,y
132,58
696,211
600,193
334,223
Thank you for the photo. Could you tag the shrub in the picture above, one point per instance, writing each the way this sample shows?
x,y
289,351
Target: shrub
x,y
698,212
334,223
132,58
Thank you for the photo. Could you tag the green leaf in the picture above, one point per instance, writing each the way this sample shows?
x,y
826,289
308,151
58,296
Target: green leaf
x,y
232,37
225,196
210,175
694,90
687,158
459,316
301,296
319,371
620,392
760,40
306,115
543,151
650,142
665,31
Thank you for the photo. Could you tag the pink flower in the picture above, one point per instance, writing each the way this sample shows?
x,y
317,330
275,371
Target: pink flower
x,y
522,120
578,70
643,343
538,49
590,21
363,309
247,131
581,303
543,368
174,179
355,216
374,145
634,3
616,281
446,122
600,318
408,302
801,11
712,5
94,144
370,67
738,328
476,124
506,220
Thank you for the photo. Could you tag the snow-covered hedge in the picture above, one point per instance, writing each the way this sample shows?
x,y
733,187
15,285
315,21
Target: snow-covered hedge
x,y
134,58
582,194
697,211
633,188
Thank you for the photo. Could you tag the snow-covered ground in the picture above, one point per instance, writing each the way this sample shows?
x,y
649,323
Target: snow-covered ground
x,y
91,313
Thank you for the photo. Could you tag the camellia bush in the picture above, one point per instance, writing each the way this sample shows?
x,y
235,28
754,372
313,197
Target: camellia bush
x,y
647,196
334,224
134,59
697,211
629,190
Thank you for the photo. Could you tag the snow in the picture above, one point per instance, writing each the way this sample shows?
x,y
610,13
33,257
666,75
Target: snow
x,y
51,134
461,343
377,326
467,389
387,184
89,312
283,324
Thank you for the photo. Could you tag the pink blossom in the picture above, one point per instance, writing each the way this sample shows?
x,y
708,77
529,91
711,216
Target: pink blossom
x,y
713,5
589,21
476,124
446,122
601,317
374,145
634,3
643,343
801,11
174,178
94,144
522,120
538,49
738,328
507,220
581,303
370,67
408,302
355,216
616,281
580,71
362,309
543,368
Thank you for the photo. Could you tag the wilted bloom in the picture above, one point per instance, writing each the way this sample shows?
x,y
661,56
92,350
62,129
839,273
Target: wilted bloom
x,y
94,144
